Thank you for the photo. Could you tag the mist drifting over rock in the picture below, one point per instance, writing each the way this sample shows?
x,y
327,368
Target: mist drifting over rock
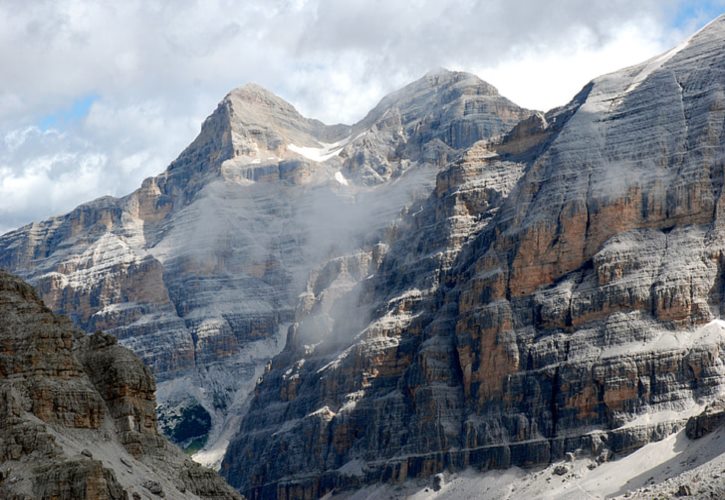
x,y
199,270
451,283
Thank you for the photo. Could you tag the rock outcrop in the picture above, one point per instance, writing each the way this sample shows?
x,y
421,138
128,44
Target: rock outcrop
x,y
199,270
560,290
77,414
711,418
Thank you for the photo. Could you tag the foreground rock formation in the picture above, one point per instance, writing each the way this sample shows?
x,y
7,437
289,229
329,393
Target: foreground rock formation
x,y
560,291
199,270
77,414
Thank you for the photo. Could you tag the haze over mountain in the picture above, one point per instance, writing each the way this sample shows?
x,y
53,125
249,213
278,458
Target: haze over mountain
x,y
453,282
560,291
144,75
199,270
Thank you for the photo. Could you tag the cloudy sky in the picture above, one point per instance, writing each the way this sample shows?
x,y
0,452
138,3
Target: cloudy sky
x,y
97,95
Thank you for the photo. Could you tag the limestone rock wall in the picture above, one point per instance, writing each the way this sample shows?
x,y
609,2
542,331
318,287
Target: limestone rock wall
x,y
561,290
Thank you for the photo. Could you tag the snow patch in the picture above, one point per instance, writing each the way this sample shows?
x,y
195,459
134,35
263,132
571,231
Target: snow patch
x,y
341,179
324,153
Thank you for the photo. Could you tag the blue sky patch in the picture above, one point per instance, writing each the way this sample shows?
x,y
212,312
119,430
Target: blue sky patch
x,y
63,117
698,13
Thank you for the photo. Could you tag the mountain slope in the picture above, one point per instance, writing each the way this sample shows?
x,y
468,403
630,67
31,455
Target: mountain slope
x,y
63,393
561,290
199,270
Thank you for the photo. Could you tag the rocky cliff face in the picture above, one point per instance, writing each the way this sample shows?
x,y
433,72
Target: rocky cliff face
x,y
560,290
199,270
77,414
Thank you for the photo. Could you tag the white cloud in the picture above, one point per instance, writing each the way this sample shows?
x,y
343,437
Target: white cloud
x,y
545,79
44,173
159,67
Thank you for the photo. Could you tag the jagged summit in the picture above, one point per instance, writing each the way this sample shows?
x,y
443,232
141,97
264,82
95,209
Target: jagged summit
x,y
253,105
442,79
255,124
431,120
440,70
253,91
252,98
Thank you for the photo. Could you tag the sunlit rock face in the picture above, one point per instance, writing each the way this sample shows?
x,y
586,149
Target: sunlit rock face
x,y
560,289
78,414
199,270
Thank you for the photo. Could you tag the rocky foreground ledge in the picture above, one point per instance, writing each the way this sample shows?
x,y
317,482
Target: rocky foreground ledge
x,y
77,414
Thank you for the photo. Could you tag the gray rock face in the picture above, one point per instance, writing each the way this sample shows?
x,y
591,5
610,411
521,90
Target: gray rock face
x,y
61,393
199,270
561,289
431,120
711,418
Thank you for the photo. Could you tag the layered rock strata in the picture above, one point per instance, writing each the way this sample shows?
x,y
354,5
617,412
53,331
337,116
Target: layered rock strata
x,y
198,271
560,290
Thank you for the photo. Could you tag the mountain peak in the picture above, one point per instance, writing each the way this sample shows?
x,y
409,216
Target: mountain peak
x,y
440,70
441,78
444,76
253,93
437,89
251,87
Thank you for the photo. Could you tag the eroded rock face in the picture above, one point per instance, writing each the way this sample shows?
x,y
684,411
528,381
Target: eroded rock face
x,y
198,271
127,387
358,330
560,290
77,413
711,418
